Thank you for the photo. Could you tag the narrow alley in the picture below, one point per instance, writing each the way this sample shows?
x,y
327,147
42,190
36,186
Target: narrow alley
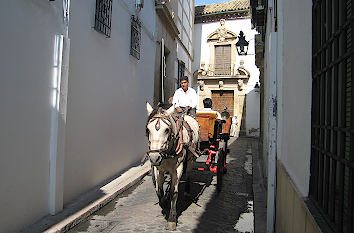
x,y
231,210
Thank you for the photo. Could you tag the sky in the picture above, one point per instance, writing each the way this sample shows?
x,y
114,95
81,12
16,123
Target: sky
x,y
204,2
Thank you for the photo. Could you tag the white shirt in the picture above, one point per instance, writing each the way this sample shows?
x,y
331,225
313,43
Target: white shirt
x,y
234,120
184,99
211,111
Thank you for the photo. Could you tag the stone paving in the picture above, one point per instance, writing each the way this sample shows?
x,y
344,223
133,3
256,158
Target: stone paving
x,y
206,210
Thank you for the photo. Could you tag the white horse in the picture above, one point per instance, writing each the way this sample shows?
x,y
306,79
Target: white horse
x,y
172,146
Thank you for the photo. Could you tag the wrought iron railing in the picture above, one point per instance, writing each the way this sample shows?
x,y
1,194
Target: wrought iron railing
x,y
221,69
135,37
103,16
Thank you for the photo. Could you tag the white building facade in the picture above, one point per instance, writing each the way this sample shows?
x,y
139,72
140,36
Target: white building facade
x,y
224,75
185,24
73,95
308,113
174,35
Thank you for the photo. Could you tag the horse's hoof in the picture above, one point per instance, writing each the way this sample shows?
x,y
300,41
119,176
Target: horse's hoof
x,y
172,226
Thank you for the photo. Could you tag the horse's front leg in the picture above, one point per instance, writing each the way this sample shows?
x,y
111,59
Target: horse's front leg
x,y
175,178
159,179
189,169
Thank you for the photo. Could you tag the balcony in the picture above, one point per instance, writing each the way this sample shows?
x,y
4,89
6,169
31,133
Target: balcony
x,y
215,71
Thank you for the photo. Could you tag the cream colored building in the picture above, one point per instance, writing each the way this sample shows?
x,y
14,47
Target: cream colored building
x,y
224,75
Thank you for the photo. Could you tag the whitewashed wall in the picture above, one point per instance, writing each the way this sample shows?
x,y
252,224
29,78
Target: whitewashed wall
x,y
293,91
253,113
296,92
267,98
28,30
107,93
185,44
197,46
201,49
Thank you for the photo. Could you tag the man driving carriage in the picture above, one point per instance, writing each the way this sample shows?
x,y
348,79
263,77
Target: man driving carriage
x,y
185,98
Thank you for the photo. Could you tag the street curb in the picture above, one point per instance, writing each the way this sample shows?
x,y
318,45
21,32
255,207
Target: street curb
x,y
111,190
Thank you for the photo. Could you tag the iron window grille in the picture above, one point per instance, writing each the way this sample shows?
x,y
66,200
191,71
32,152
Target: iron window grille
x,y
135,37
332,126
103,16
181,69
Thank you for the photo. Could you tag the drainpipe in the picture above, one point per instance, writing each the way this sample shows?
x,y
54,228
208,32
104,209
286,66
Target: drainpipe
x,y
163,70
272,148
58,115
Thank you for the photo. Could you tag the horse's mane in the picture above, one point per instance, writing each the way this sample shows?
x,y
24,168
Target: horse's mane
x,y
160,108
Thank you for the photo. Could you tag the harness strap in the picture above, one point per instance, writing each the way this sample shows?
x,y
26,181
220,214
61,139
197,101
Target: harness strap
x,y
182,123
190,132
177,139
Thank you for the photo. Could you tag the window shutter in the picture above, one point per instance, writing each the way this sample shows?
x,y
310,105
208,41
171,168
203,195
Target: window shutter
x,y
222,60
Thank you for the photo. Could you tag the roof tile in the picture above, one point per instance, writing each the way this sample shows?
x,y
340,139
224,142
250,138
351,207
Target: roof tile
x,y
222,7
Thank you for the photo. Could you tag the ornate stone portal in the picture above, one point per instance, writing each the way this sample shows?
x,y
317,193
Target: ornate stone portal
x,y
226,88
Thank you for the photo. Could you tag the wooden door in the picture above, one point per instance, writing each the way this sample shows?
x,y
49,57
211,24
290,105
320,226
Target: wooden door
x,y
223,99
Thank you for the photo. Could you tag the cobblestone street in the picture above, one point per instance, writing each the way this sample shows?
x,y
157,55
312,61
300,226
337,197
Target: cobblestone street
x,y
206,210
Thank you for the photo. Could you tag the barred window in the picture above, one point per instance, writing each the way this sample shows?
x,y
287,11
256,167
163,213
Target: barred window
x,y
103,16
332,138
135,37
181,68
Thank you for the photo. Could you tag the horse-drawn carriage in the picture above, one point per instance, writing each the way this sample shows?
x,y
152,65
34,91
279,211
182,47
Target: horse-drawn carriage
x,y
175,141
213,137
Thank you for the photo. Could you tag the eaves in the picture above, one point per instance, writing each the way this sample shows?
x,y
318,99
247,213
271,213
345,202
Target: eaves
x,y
166,17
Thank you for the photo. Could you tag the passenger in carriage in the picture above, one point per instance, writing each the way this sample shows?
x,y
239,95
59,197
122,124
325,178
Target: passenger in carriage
x,y
208,105
185,98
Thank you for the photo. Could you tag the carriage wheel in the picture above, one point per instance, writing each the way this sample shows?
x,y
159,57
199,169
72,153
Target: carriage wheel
x,y
223,148
220,169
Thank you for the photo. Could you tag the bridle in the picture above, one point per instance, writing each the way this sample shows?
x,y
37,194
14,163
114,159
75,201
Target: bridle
x,y
173,146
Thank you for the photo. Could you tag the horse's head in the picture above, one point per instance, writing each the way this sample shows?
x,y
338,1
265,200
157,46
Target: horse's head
x,y
159,130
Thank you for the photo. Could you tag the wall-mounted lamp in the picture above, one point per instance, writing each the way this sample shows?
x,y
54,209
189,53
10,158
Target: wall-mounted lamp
x,y
242,44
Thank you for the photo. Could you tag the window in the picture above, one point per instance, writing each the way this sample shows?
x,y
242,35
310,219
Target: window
x,y
222,60
181,69
332,126
103,16
135,37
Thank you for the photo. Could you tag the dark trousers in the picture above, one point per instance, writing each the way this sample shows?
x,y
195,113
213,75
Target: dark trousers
x,y
191,111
